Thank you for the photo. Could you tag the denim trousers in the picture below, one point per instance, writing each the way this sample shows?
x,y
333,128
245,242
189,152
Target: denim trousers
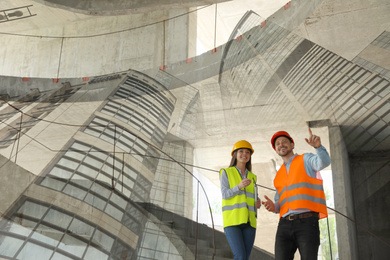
x,y
241,239
302,234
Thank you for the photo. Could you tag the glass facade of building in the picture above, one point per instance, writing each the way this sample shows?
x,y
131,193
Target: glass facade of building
x,y
133,121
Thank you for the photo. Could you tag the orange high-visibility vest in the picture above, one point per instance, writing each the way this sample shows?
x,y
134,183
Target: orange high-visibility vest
x,y
297,190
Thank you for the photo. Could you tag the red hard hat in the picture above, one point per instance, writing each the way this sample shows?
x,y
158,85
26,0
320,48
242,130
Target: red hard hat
x,y
280,133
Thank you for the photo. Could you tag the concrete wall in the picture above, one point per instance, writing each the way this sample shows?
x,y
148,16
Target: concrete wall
x,y
97,47
371,189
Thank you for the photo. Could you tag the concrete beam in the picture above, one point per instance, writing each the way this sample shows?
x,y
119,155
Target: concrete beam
x,y
102,7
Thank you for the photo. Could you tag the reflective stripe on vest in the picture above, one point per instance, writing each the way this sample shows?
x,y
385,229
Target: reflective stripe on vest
x,y
240,208
297,190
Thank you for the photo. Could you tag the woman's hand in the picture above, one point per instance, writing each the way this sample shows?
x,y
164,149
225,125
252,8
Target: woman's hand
x,y
258,203
244,183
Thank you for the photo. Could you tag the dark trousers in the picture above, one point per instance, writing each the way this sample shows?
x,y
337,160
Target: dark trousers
x,y
302,234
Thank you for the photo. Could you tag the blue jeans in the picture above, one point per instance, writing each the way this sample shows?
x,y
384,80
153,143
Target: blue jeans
x,y
241,239
303,234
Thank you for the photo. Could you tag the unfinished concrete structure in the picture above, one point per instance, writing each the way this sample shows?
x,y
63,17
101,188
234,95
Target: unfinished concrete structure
x,y
108,113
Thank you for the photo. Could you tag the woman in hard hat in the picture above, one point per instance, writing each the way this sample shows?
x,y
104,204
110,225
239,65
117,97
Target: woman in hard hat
x,y
240,201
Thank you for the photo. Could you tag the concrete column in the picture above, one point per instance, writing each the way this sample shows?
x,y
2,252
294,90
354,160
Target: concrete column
x,y
342,186
14,181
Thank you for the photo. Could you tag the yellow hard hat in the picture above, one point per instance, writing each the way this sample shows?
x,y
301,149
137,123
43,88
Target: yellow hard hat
x,y
242,144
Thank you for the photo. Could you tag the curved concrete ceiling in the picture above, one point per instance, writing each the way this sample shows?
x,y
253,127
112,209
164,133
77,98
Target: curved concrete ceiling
x,y
102,7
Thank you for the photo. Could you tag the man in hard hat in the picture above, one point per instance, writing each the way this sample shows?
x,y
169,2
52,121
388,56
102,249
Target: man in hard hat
x,y
300,198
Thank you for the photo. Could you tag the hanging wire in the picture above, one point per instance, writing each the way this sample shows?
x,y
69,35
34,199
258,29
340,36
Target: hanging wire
x,y
59,58
164,43
215,26
197,219
18,137
330,244
113,160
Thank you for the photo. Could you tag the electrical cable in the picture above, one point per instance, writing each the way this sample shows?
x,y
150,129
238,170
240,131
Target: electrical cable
x,y
215,27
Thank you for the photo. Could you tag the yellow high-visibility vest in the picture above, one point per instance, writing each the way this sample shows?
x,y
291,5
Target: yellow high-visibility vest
x,y
239,209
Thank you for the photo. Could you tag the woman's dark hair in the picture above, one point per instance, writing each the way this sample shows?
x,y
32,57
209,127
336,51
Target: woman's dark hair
x,y
233,161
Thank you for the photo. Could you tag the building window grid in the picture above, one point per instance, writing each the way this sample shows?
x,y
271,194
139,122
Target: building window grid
x,y
383,41
143,103
147,89
158,137
276,55
319,64
164,121
131,181
271,54
271,35
361,75
302,66
233,57
252,86
356,109
249,21
307,63
382,88
321,82
342,65
89,237
246,87
276,95
124,139
334,91
344,86
172,174
361,105
290,115
298,68
373,67
99,191
367,138
267,39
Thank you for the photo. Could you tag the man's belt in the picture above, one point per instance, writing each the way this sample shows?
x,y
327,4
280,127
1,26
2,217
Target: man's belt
x,y
302,215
